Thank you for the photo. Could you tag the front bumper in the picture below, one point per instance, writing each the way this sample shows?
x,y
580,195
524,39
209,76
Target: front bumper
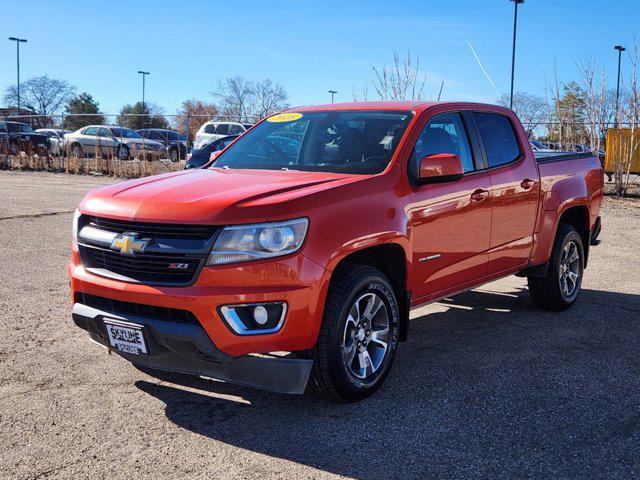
x,y
295,280
186,348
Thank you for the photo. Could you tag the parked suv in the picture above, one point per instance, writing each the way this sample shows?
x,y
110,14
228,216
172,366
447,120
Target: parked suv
x,y
317,231
175,144
22,137
111,140
215,130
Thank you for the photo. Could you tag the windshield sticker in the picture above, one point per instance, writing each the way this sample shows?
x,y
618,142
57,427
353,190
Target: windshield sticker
x,y
284,117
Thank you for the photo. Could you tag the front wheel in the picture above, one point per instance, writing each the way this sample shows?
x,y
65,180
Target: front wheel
x,y
560,288
358,336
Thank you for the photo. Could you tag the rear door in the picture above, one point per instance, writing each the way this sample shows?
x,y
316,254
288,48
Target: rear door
x,y
515,188
450,222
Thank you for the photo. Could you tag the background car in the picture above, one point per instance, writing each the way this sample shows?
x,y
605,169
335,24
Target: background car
x,y
57,142
109,139
200,156
22,137
174,143
213,130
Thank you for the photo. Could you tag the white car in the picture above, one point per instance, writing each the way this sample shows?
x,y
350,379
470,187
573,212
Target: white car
x,y
109,139
57,142
214,130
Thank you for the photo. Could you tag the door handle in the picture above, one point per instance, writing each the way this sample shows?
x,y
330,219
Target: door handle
x,y
479,195
527,183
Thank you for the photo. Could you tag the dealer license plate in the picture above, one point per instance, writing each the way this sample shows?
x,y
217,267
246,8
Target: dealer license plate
x,y
126,337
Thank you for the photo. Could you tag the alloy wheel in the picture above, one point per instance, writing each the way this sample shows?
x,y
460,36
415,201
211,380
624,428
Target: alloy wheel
x,y
569,269
366,335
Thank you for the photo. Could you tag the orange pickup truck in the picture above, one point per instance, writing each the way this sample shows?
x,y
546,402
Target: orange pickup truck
x,y
317,231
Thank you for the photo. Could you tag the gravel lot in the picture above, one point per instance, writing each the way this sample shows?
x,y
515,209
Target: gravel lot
x,y
486,387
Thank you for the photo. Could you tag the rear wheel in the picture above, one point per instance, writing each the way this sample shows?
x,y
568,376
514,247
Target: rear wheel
x,y
560,288
123,152
358,337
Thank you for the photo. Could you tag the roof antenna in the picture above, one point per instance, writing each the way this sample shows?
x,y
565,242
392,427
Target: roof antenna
x,y
440,93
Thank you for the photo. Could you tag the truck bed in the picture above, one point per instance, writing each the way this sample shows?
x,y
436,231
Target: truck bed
x,y
545,157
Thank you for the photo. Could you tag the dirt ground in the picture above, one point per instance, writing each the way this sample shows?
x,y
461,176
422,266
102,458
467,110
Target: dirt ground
x,y
486,387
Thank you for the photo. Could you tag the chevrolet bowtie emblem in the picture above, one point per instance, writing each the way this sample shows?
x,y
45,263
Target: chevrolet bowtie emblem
x,y
128,243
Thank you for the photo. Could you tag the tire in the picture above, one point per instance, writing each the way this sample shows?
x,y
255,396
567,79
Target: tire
x,y
173,155
347,332
123,152
76,150
559,290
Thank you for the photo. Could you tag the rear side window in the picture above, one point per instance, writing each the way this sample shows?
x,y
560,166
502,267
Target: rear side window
x,y
498,137
210,128
91,131
222,129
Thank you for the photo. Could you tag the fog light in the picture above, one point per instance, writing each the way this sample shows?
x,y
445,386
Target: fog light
x,y
254,318
260,315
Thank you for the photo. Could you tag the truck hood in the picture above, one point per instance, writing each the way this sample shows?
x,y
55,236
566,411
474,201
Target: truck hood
x,y
207,196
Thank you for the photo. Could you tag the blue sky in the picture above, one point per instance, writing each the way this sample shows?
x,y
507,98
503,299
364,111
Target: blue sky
x,y
307,46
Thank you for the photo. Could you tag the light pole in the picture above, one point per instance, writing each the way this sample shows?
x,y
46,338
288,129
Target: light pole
x,y
620,49
144,75
513,51
332,92
18,42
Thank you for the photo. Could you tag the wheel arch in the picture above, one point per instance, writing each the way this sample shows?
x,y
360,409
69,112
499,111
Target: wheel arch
x,y
391,260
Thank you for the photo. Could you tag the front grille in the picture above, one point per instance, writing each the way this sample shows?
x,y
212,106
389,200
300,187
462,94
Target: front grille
x,y
138,309
191,232
144,268
174,254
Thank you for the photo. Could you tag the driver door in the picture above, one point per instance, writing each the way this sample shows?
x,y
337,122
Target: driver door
x,y
450,222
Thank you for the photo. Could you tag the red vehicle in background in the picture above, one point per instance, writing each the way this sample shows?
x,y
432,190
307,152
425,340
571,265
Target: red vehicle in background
x,y
317,231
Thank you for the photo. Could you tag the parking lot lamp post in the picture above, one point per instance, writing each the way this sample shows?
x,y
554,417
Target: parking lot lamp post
x,y
144,75
620,49
332,92
18,42
513,50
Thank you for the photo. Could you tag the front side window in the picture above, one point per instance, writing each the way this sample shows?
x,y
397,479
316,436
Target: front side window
x,y
26,128
444,133
235,129
499,139
340,141
104,132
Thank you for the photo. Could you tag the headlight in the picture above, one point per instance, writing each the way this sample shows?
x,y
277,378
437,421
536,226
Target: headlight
x,y
243,243
76,218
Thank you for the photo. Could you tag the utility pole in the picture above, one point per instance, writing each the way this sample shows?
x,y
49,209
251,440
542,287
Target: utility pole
x,y
513,50
144,75
620,49
18,42
332,92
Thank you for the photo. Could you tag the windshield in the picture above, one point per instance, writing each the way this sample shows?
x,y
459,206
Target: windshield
x,y
125,133
358,142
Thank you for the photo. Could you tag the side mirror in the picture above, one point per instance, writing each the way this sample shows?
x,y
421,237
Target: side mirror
x,y
440,168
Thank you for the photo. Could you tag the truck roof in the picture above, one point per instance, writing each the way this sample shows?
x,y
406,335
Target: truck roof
x,y
418,105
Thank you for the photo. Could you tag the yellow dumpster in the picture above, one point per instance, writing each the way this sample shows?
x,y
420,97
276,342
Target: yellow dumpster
x,y
618,147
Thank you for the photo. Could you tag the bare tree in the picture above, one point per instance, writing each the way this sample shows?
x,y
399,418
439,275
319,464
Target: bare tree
x,y
235,96
531,109
401,81
42,95
268,98
594,97
364,95
192,114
